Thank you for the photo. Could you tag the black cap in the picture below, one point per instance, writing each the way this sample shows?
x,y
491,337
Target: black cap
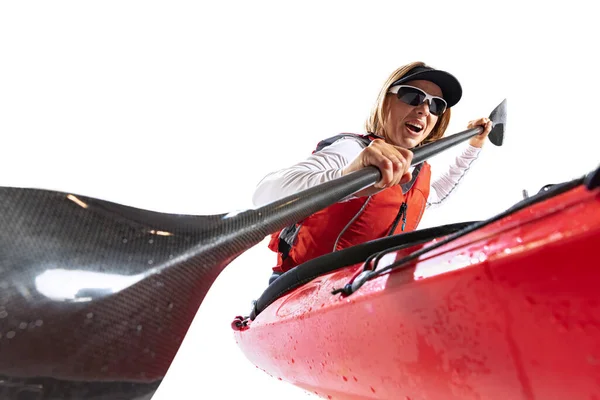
x,y
451,89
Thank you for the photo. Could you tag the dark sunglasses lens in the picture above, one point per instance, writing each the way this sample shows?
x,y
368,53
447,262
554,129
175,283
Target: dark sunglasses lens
x,y
437,107
411,96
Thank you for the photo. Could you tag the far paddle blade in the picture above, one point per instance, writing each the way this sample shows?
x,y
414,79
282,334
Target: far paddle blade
x,y
498,117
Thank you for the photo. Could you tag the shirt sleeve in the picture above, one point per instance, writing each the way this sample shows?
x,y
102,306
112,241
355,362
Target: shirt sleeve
x,y
443,186
320,167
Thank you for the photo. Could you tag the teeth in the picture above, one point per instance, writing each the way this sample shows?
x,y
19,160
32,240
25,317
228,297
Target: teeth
x,y
416,126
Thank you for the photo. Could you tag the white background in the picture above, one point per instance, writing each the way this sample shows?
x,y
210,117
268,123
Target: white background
x,y
182,107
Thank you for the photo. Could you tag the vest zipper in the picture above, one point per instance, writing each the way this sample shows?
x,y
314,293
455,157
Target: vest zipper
x,y
405,213
401,214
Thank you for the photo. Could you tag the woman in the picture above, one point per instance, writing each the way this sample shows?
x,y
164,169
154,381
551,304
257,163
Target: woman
x,y
413,108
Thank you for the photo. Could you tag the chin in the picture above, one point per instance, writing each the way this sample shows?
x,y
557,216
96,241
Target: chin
x,y
410,143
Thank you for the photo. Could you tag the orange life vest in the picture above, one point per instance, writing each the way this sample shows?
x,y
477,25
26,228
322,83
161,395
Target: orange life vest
x,y
355,221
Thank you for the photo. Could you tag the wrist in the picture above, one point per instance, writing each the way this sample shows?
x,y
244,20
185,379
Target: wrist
x,y
476,143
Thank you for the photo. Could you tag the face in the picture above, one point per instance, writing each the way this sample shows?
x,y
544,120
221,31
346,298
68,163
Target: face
x,y
406,125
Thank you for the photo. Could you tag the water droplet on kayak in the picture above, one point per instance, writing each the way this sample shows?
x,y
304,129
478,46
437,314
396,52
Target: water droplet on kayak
x,y
355,379
507,251
293,361
345,379
372,389
280,379
519,240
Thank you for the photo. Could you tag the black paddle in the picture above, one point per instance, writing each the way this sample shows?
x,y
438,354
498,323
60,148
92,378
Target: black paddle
x,y
96,297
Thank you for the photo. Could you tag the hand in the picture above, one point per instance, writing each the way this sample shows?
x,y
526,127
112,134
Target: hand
x,y
479,140
392,161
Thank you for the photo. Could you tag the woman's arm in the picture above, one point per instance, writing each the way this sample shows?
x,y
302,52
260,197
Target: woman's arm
x,y
447,182
320,167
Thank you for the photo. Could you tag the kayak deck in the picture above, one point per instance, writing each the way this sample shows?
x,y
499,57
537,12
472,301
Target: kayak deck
x,y
509,311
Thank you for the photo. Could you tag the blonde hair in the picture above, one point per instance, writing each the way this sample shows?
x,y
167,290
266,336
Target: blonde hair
x,y
375,122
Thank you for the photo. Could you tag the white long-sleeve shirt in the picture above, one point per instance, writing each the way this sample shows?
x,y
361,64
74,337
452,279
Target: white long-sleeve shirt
x,y
328,163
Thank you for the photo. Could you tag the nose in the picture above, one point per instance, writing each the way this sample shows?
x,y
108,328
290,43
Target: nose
x,y
423,108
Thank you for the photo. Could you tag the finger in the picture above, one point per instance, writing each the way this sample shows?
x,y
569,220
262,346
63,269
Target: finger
x,y
398,160
483,122
407,177
404,153
486,124
399,168
402,158
476,122
384,165
487,128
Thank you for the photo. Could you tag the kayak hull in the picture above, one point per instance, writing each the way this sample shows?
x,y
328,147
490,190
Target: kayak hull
x,y
511,311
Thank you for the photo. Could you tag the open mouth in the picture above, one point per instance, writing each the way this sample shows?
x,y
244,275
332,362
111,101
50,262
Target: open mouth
x,y
415,128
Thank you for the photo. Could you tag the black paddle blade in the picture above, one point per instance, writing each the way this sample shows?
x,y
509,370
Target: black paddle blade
x,y
498,117
96,297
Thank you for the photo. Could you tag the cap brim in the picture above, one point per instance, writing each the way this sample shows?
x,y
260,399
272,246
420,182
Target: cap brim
x,y
451,89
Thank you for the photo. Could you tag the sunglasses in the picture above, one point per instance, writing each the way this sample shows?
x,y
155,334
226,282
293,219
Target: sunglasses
x,y
414,96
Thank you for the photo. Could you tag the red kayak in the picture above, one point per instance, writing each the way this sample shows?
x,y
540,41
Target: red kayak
x,y
507,308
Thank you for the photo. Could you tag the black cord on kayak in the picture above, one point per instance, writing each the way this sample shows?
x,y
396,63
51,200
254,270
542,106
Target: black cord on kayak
x,y
592,181
373,273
